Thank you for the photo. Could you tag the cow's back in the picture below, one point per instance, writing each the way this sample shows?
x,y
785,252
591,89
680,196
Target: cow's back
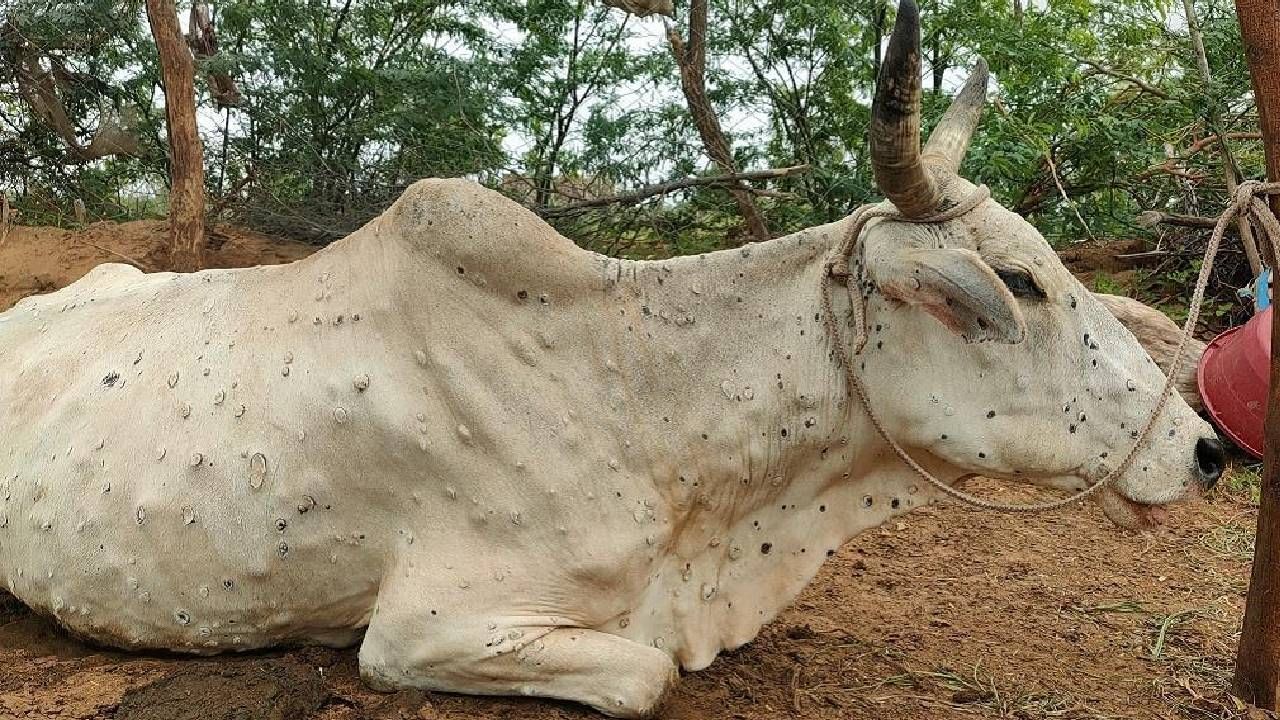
x,y
233,458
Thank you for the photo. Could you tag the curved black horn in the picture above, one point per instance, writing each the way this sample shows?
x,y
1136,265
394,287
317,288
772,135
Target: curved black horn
x,y
900,171
949,141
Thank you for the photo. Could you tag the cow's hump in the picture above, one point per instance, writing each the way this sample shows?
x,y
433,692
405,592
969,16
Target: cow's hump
x,y
480,233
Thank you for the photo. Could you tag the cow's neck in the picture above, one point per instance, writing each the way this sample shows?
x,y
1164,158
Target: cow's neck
x,y
766,463
747,400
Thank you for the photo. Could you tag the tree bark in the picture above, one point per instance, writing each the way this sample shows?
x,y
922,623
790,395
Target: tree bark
x,y
1257,677
186,158
691,58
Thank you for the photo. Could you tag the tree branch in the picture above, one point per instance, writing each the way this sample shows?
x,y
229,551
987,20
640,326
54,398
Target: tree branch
x,y
644,193
1211,140
1141,84
204,45
1151,218
643,8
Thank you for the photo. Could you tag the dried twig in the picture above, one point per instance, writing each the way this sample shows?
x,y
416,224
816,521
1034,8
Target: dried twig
x,y
1053,170
140,265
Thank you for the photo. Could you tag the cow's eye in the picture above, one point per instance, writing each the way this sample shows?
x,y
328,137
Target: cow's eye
x,y
1020,283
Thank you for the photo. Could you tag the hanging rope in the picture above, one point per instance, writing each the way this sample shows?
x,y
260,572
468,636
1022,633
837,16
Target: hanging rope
x,y
1245,203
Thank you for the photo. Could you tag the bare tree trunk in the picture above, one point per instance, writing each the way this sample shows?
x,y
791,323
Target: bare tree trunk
x,y
222,151
1228,163
692,60
937,64
186,163
1257,676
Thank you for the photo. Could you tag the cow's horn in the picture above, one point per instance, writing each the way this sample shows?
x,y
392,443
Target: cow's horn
x,y
949,141
900,171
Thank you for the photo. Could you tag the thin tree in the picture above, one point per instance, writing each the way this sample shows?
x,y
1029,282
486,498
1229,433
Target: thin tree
x,y
186,158
1257,678
691,57
1215,127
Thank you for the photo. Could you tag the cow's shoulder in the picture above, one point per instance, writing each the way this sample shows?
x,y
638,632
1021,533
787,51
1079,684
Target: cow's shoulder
x,y
476,231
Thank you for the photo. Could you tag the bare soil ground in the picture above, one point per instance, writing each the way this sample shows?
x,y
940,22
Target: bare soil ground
x,y
36,260
947,613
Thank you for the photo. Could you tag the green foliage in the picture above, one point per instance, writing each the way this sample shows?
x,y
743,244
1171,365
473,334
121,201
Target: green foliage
x,y
89,48
552,101
1104,283
1243,481
347,105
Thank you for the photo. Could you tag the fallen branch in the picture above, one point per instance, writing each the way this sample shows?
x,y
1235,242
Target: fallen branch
x,y
644,193
140,265
1151,218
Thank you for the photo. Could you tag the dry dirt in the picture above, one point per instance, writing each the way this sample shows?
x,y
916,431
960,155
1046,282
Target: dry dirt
x,y
37,260
945,613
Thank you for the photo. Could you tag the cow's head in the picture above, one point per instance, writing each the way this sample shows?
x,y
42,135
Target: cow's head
x,y
986,356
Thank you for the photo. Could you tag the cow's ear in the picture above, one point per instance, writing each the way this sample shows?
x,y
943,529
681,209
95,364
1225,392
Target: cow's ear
x,y
954,285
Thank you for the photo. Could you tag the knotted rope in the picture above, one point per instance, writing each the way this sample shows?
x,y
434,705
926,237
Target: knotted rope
x,y
1245,204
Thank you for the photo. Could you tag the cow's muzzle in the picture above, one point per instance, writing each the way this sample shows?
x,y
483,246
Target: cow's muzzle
x,y
1210,461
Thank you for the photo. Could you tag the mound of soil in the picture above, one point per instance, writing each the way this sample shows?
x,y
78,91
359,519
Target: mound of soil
x,y
948,613
1113,260
35,260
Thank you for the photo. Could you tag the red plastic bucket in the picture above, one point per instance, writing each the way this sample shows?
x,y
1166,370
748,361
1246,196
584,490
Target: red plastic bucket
x,y
1233,377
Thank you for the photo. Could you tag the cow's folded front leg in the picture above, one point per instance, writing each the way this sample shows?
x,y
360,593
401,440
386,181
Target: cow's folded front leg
x,y
616,676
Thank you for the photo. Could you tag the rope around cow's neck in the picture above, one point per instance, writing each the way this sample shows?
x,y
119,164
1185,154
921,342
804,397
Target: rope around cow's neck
x,y
1245,203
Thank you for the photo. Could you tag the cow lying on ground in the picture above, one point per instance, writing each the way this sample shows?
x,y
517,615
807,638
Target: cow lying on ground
x,y
507,465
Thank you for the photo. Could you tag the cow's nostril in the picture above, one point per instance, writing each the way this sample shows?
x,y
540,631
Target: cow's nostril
x,y
1210,460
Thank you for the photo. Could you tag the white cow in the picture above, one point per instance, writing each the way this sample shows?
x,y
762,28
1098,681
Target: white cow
x,y
507,465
